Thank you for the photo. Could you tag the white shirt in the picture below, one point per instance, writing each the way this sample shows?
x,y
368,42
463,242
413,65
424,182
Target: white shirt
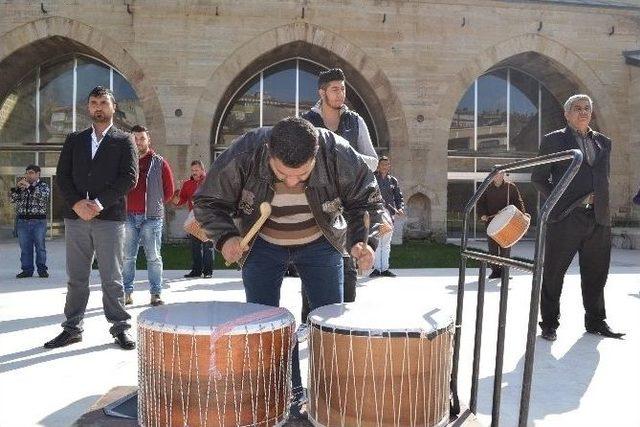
x,y
95,142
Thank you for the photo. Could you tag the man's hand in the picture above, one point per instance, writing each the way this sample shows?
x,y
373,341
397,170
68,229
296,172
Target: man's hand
x,y
363,255
483,218
23,184
232,250
86,209
400,212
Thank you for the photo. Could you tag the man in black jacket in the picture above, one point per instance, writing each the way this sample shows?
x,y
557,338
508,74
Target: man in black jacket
x,y
319,190
498,195
580,221
96,169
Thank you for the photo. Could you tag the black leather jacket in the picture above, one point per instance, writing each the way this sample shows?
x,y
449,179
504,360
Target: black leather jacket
x,y
340,188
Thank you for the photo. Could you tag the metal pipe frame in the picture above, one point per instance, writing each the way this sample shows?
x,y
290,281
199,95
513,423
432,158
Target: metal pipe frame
x,y
535,266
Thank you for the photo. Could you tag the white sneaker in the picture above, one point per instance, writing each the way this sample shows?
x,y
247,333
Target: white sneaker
x,y
303,332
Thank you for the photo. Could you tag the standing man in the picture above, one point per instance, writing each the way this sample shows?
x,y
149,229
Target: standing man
x,y
31,197
319,189
330,112
499,194
145,213
201,252
393,205
580,221
96,169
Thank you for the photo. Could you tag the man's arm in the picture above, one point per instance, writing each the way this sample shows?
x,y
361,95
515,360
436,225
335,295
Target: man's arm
x,y
542,173
397,196
41,193
127,174
359,192
167,181
516,198
64,173
217,198
365,146
482,206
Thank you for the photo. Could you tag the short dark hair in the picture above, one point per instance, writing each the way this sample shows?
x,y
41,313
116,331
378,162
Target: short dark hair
x,y
294,141
139,128
34,168
197,162
329,75
100,91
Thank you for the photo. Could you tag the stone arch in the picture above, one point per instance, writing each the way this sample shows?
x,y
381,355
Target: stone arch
x,y
418,220
550,56
291,39
27,45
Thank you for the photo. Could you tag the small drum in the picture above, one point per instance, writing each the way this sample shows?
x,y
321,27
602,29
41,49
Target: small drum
x,y
369,368
508,226
214,364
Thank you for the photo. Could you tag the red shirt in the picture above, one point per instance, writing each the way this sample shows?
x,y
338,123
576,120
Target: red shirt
x,y
136,197
187,191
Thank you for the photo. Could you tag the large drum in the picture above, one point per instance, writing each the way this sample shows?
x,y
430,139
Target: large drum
x,y
214,364
508,226
370,367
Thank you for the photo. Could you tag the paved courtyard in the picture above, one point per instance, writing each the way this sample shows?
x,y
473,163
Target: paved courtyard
x,y
580,379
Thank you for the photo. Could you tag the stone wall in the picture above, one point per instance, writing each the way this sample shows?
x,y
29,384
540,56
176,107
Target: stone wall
x,y
417,58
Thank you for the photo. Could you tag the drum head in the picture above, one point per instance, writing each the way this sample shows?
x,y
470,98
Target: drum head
x,y
501,219
204,318
368,320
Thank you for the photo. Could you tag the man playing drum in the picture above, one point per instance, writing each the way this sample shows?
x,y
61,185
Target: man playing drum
x,y
319,189
499,194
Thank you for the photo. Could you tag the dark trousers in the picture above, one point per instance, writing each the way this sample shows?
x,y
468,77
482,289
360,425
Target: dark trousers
x,y
349,283
201,255
577,233
496,249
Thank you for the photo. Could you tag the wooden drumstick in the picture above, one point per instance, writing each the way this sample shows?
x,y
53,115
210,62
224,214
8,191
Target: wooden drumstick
x,y
265,211
367,224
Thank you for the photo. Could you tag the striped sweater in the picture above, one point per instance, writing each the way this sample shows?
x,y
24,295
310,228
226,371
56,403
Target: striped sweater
x,y
291,222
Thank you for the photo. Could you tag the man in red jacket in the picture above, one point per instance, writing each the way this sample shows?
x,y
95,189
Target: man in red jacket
x,y
201,252
145,216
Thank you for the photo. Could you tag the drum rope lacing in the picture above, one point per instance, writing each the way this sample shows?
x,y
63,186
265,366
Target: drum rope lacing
x,y
153,378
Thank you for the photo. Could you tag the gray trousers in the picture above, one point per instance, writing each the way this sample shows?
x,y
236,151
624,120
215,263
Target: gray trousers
x,y
105,240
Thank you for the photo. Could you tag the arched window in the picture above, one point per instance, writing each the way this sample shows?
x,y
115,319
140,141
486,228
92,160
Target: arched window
x,y
501,118
287,88
37,114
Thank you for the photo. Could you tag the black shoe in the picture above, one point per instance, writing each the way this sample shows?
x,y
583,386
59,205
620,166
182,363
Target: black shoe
x,y
601,328
207,275
123,340
388,273
549,334
374,273
192,274
495,274
44,274
65,338
156,300
23,274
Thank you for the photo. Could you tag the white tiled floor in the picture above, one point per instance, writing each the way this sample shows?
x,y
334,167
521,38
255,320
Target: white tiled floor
x,y
578,380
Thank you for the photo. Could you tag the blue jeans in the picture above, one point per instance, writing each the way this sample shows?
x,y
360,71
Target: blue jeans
x,y
31,234
319,265
148,233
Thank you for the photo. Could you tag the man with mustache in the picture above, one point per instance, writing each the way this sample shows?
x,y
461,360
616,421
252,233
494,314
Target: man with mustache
x,y
96,169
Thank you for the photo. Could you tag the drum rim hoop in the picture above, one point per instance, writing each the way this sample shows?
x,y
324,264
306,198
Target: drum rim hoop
x,y
380,333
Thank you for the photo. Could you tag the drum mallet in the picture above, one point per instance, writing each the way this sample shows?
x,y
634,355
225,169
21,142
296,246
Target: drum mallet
x,y
265,211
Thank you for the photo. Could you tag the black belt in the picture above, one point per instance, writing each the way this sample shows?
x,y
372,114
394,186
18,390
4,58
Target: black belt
x,y
32,217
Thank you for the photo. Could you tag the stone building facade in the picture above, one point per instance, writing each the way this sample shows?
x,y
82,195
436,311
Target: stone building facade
x,y
412,65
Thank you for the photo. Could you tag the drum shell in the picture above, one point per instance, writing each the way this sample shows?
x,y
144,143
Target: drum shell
x,y
178,385
407,386
512,231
